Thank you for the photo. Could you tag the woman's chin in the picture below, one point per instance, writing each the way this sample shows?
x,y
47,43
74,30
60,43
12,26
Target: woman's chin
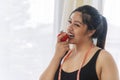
x,y
71,41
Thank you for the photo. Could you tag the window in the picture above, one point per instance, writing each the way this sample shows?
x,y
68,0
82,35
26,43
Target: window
x,y
26,32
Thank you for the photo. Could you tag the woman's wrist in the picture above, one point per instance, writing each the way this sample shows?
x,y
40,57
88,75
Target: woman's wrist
x,y
57,56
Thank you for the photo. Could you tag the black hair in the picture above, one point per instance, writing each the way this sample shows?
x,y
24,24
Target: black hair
x,y
95,21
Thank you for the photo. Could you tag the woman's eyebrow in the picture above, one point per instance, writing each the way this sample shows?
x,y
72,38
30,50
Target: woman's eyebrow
x,y
75,21
79,22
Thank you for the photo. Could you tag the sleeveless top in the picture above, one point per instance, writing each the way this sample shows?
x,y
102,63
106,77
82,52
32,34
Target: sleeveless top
x,y
88,72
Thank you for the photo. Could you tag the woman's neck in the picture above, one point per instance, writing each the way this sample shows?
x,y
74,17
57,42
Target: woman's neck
x,y
83,47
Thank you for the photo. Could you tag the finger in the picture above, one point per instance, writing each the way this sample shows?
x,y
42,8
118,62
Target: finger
x,y
66,46
65,43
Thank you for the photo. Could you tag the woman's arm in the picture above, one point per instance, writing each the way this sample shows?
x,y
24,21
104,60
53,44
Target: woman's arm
x,y
109,69
49,73
61,48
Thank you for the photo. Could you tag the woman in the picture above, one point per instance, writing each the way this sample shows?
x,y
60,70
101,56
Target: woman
x,y
85,61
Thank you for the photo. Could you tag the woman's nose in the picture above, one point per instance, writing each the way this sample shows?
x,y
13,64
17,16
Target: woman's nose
x,y
69,28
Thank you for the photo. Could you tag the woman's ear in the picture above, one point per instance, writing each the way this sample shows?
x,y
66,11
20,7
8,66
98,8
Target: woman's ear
x,y
91,32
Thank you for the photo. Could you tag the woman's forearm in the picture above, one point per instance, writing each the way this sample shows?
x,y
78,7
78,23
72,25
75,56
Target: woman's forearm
x,y
61,48
49,73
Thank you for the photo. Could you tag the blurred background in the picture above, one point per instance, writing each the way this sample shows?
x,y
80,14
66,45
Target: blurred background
x,y
28,30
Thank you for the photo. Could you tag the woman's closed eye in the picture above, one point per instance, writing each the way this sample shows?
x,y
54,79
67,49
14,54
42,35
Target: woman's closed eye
x,y
77,25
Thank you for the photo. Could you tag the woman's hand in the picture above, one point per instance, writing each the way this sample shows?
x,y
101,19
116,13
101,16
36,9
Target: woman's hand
x,y
61,46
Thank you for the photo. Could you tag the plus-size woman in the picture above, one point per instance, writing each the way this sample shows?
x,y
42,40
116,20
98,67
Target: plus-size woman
x,y
85,60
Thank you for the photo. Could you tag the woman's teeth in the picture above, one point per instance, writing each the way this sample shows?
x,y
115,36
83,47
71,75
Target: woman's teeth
x,y
71,36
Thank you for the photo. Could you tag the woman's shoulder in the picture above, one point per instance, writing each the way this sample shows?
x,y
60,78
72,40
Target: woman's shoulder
x,y
105,55
106,59
108,67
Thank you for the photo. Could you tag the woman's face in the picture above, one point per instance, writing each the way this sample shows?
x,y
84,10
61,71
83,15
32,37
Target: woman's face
x,y
77,29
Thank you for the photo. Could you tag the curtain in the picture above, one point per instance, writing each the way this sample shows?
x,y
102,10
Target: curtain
x,y
112,13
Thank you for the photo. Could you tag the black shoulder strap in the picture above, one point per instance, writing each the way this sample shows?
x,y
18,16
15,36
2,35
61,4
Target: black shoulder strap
x,y
96,55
